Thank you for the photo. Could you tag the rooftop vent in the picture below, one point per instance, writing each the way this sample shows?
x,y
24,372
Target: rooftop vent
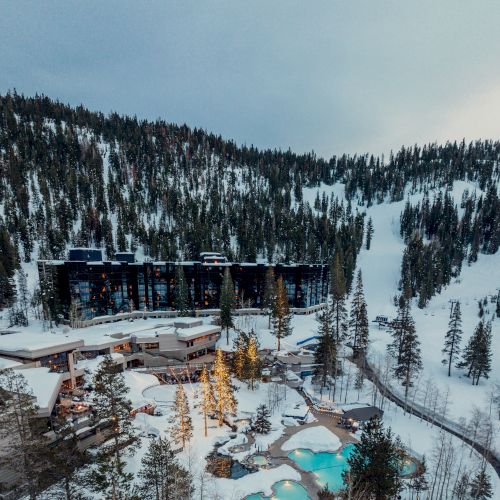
x,y
212,258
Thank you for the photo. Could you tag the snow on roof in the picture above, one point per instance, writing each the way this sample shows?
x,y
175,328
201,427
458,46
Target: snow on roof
x,y
8,363
187,322
197,331
300,410
317,438
45,386
92,364
353,406
27,341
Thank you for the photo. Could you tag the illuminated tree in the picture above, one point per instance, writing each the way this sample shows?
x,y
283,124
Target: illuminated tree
x,y
208,402
226,402
239,355
182,430
253,367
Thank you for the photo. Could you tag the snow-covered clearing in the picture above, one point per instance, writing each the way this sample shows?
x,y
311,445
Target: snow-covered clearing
x,y
381,267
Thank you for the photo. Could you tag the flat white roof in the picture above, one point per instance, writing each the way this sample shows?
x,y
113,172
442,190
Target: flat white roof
x,y
29,342
8,363
92,364
45,386
197,331
187,321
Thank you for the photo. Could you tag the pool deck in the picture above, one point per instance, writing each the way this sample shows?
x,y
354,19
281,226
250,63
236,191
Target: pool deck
x,y
281,457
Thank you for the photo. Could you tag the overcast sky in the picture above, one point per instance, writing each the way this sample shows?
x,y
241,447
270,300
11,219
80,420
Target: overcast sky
x,y
332,76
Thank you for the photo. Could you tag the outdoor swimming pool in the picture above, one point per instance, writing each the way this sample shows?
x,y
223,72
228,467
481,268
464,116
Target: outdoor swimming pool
x,y
328,467
259,460
284,490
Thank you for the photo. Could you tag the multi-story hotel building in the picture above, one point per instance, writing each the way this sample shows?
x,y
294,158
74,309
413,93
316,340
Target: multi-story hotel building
x,y
101,288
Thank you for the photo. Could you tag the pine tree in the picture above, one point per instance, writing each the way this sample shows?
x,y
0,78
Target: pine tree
x,y
419,483
240,346
226,402
208,402
409,361
453,337
181,292
375,463
261,423
358,322
227,303
483,365
476,357
121,241
112,405
398,328
281,313
161,476
480,486
338,293
64,463
326,494
75,313
253,364
359,381
269,297
325,354
460,491
369,233
182,430
23,294
22,446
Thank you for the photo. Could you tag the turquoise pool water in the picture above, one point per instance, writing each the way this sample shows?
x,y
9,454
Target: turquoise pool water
x,y
259,460
328,467
284,490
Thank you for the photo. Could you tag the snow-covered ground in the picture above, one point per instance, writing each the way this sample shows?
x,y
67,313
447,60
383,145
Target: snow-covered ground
x,y
381,267
419,437
222,438
381,272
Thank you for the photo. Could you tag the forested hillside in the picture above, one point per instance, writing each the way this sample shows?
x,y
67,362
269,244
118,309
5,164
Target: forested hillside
x,y
69,176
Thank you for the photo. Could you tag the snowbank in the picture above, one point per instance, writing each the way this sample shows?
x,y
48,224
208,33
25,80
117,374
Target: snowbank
x,y
137,384
261,481
317,438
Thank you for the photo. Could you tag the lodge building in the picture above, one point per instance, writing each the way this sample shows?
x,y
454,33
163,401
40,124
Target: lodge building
x,y
103,288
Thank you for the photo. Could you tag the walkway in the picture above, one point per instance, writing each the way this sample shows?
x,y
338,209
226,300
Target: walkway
x,y
281,457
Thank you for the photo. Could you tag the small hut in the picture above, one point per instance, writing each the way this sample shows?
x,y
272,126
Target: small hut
x,y
357,417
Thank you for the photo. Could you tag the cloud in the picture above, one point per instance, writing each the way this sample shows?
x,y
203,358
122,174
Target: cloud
x,y
329,75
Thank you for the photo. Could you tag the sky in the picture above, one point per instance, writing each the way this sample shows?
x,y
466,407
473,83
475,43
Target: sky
x,y
333,76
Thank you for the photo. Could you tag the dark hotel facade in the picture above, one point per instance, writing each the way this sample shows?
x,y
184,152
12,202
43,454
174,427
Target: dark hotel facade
x,y
101,288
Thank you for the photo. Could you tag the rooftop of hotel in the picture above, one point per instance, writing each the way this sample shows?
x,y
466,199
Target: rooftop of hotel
x,y
34,339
